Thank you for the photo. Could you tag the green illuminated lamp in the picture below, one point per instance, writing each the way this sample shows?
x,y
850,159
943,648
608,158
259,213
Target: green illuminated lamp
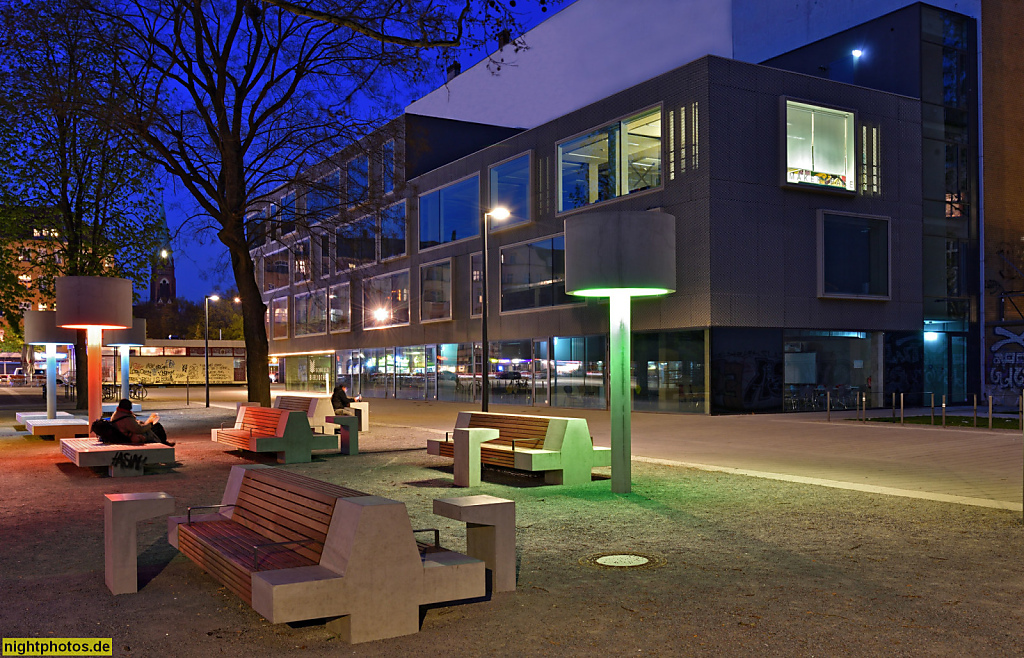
x,y
41,329
620,255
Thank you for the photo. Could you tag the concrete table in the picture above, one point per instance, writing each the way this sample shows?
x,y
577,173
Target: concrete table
x,y
362,410
348,433
121,460
490,533
121,513
22,416
467,453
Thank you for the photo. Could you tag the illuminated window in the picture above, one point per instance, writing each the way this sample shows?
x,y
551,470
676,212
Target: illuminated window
x,y
386,300
279,318
302,270
819,147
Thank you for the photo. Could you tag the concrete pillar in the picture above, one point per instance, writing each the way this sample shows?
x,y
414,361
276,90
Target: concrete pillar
x,y
121,513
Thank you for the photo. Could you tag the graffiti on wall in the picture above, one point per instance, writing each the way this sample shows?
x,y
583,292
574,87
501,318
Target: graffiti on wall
x,y
181,370
749,381
904,363
1005,363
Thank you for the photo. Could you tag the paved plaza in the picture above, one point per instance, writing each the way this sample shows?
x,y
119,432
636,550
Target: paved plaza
x,y
911,547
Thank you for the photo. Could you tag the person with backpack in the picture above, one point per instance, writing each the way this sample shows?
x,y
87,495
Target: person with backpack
x,y
150,431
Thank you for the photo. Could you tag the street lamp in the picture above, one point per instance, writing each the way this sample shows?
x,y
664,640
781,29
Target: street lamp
x,y
500,214
206,338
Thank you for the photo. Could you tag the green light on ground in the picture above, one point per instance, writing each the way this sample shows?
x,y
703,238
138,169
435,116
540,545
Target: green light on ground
x,y
632,292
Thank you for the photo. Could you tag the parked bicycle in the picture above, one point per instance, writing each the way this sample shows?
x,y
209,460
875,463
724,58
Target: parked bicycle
x,y
137,391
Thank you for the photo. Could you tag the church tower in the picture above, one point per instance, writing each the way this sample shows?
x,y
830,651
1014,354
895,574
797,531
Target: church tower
x,y
161,284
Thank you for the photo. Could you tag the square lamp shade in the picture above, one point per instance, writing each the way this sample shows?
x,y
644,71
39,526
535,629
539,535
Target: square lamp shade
x,y
135,336
102,302
41,329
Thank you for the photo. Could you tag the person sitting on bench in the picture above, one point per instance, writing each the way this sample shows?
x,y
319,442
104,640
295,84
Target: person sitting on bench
x,y
150,431
341,401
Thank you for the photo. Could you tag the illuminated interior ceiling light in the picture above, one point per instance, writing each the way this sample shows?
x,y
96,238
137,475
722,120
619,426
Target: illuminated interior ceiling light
x,y
381,315
931,336
857,52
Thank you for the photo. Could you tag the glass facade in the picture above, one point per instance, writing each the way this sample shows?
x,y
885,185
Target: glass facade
x,y
275,270
307,372
387,167
450,213
837,368
311,313
324,198
303,266
279,318
392,231
340,308
355,244
358,171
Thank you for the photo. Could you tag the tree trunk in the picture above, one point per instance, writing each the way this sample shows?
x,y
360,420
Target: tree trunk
x,y
257,350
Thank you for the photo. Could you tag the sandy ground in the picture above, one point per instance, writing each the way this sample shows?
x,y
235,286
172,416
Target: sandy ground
x,y
745,566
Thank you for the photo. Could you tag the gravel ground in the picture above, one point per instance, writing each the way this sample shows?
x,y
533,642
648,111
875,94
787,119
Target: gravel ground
x,y
743,566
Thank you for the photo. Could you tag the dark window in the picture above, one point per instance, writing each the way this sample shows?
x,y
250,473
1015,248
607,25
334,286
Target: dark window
x,y
533,275
854,256
356,244
392,231
358,180
451,213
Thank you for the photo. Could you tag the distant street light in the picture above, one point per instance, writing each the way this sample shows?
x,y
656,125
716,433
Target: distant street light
x,y
206,338
498,214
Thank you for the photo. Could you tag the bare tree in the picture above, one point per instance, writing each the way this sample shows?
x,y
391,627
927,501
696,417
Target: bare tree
x,y
240,96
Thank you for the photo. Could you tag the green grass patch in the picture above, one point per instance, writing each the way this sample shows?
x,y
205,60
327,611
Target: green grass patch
x,y
953,421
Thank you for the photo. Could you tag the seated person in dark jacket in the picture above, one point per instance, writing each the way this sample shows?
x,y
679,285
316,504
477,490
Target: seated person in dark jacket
x,y
126,423
341,401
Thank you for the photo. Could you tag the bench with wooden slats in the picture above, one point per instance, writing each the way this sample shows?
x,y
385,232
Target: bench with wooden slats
x,y
279,520
295,548
316,408
287,433
561,447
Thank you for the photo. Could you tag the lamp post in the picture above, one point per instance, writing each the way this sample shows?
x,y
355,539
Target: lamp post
x,y
500,214
206,344
620,255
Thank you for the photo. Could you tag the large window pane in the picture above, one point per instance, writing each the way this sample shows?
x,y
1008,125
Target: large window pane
x,y
819,146
613,161
279,317
324,197
533,275
275,270
643,152
302,271
339,304
451,213
311,313
356,244
358,180
477,285
387,156
510,188
854,256
386,300
288,213
436,291
392,231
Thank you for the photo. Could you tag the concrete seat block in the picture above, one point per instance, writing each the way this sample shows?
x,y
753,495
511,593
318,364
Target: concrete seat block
x,y
121,513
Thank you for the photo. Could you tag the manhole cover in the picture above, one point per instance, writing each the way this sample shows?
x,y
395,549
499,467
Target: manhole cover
x,y
622,561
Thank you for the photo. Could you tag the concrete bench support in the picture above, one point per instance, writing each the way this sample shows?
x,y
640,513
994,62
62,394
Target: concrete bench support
x,y
348,433
467,454
490,533
362,410
121,513
58,428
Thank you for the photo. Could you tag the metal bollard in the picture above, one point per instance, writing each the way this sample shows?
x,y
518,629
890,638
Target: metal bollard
x,y
828,406
990,411
943,410
894,406
901,408
933,408
975,409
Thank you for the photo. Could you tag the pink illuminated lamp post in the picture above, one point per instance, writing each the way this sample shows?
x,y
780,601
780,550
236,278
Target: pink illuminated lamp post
x,y
94,303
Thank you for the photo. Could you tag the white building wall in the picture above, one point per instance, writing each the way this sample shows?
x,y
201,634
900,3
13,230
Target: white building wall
x,y
589,50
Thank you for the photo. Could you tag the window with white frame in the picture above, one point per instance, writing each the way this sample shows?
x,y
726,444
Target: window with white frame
x,y
279,318
615,160
355,244
853,255
358,171
311,313
275,270
533,275
436,291
820,143
339,301
323,199
509,187
386,300
302,269
392,231
450,213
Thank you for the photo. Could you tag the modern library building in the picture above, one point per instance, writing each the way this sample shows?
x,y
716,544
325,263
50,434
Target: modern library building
x,y
826,200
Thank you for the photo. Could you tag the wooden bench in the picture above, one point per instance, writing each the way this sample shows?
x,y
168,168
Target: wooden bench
x,y
560,447
120,460
287,433
316,409
296,549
